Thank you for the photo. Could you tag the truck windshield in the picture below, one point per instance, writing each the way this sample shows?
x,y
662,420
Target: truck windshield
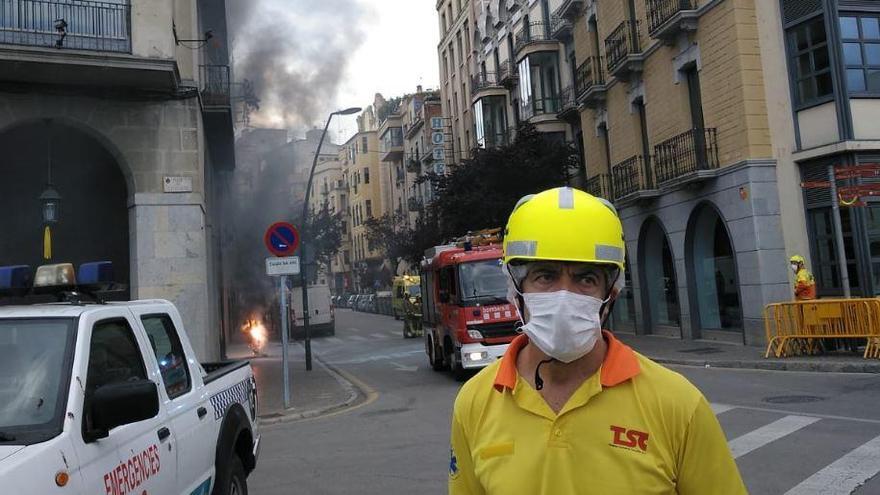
x,y
414,290
483,282
35,357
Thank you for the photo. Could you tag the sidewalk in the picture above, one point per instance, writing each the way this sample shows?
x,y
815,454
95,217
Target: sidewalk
x,y
668,350
312,393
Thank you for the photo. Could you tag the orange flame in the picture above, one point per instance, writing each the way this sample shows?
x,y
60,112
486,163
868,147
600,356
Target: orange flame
x,y
256,332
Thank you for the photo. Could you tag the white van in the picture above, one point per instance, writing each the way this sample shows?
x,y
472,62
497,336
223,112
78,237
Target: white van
x,y
322,318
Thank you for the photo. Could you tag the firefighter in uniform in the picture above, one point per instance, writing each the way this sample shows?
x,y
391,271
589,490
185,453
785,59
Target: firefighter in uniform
x,y
804,284
570,409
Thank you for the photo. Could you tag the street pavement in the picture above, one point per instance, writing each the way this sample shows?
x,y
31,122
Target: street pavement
x,y
791,432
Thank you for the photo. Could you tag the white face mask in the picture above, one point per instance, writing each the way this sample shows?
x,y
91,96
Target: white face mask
x,y
564,325
794,268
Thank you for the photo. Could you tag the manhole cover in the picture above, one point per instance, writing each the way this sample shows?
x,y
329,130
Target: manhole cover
x,y
702,350
793,399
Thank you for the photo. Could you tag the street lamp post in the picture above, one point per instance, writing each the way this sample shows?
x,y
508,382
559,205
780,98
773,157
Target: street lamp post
x,y
305,235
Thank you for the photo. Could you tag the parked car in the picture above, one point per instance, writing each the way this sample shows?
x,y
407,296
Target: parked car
x,y
351,301
370,303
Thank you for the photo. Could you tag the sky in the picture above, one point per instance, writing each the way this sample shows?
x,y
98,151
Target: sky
x,y
307,58
399,53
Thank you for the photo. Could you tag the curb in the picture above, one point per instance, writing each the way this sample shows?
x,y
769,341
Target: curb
x,y
818,367
355,393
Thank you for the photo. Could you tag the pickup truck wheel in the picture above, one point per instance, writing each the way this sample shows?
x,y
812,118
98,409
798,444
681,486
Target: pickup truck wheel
x,y
236,483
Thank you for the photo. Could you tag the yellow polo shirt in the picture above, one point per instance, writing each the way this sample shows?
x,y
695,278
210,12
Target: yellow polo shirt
x,y
634,427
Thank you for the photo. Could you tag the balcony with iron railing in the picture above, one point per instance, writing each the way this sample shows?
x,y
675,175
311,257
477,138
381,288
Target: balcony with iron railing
x,y
568,105
535,34
590,82
508,74
483,83
561,28
690,156
668,18
599,186
392,144
216,87
571,8
79,25
413,165
537,107
631,177
623,50
85,43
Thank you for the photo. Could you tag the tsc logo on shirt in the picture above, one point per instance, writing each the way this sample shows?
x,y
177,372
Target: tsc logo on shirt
x,y
634,440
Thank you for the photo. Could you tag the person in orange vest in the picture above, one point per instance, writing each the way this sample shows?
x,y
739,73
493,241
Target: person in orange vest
x,y
804,284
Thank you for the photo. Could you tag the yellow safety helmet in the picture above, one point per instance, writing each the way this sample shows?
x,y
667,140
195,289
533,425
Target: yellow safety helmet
x,y
564,224
797,259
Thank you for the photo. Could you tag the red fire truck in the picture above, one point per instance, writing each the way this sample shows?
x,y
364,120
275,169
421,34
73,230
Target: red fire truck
x,y
467,319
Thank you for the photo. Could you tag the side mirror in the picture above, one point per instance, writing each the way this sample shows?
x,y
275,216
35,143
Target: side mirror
x,y
120,404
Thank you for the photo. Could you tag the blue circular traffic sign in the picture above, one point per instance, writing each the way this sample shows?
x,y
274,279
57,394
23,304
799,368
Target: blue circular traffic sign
x,y
281,239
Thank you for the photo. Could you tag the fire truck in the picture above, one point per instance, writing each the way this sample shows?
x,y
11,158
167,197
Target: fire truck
x,y
467,319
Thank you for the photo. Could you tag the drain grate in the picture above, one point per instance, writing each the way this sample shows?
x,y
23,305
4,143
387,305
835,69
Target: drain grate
x,y
793,399
702,350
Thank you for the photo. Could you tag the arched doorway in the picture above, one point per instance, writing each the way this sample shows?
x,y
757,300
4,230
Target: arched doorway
x,y
624,312
659,283
93,222
712,266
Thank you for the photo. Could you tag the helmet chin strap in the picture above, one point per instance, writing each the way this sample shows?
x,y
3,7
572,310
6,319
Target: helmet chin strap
x,y
539,382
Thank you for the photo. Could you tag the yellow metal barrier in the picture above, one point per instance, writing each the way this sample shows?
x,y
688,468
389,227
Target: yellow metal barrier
x,y
795,328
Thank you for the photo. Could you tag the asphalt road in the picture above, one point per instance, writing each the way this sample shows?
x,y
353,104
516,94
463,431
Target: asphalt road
x,y
791,433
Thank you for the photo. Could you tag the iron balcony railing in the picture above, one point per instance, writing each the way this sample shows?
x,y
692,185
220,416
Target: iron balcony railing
x,y
482,81
216,86
660,11
622,42
541,106
599,186
630,176
567,100
413,165
696,149
73,24
534,31
589,74
507,72
560,27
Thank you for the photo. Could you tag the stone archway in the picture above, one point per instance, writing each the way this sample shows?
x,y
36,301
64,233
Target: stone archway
x,y
714,282
659,282
94,223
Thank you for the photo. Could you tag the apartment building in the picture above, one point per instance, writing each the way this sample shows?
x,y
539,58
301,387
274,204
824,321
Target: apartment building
x,y
523,71
391,156
330,192
362,173
455,51
701,120
421,112
108,105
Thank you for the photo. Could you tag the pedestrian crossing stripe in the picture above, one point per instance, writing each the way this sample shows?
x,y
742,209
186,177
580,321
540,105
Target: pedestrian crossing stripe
x,y
844,475
239,393
756,439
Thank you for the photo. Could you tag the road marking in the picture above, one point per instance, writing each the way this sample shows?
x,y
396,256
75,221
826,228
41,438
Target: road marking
x,y
335,340
379,336
400,367
382,357
720,408
357,338
809,414
756,439
844,475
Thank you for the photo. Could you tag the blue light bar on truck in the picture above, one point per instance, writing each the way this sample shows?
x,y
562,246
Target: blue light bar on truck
x,y
99,272
15,279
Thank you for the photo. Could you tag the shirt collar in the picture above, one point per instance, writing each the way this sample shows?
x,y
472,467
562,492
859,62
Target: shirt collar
x,y
620,363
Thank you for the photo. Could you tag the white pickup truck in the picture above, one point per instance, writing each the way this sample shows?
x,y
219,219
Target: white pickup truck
x,y
109,399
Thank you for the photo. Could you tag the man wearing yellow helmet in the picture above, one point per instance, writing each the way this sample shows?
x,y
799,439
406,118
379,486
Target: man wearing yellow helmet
x,y
569,408
804,284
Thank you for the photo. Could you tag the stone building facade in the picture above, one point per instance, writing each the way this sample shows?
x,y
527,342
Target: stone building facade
x,y
119,102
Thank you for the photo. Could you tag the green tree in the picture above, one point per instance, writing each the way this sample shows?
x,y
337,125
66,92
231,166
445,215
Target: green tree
x,y
481,192
324,234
